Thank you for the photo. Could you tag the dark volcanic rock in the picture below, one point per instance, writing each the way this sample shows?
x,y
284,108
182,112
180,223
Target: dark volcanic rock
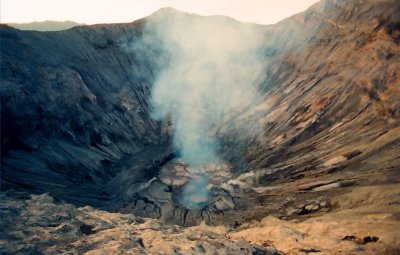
x,y
74,105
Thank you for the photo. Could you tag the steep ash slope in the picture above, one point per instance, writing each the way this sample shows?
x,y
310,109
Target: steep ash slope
x,y
336,87
331,111
74,104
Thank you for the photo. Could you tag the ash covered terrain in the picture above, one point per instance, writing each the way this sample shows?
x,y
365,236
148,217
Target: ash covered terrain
x,y
185,134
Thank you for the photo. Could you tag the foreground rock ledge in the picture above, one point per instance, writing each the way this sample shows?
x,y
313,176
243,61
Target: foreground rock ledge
x,y
365,221
39,224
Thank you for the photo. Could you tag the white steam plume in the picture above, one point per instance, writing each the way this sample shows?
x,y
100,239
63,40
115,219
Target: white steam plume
x,y
212,75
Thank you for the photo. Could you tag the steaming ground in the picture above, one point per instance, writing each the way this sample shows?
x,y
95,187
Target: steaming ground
x,y
212,73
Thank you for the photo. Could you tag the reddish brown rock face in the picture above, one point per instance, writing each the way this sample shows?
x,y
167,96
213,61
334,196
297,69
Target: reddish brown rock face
x,y
320,172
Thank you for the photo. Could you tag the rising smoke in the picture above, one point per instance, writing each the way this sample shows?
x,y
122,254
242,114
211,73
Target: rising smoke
x,y
211,74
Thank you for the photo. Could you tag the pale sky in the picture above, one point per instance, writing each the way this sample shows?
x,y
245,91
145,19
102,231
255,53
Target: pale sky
x,y
113,11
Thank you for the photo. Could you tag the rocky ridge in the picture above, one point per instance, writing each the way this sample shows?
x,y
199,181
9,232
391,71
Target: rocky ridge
x,y
48,25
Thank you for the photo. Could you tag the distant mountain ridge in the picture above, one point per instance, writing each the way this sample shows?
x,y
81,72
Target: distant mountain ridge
x,y
48,25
